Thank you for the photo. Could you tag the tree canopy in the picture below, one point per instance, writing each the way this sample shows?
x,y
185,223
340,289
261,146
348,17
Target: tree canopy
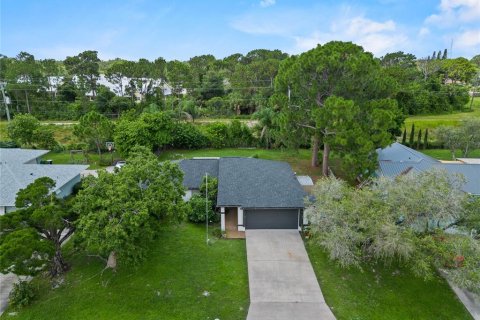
x,y
31,237
336,69
119,214
402,219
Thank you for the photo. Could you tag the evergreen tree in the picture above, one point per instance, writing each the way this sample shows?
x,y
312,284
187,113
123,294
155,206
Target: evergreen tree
x,y
404,138
445,55
412,136
419,139
439,54
425,138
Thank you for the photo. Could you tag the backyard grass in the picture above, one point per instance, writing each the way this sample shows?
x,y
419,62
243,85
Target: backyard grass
x,y
182,278
383,292
449,119
93,159
444,154
299,160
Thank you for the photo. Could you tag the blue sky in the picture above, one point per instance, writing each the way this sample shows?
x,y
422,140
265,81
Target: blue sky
x,y
134,29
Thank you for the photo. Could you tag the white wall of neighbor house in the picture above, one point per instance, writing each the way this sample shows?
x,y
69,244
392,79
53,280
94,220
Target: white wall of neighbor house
x,y
2,210
222,218
241,227
187,196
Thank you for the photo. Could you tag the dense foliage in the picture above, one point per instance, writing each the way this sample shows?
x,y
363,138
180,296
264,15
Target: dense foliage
x,y
120,214
31,237
403,220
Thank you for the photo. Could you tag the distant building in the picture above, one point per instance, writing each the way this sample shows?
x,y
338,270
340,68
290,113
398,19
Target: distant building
x,y
20,167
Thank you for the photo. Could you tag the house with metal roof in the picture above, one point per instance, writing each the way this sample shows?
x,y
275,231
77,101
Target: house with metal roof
x,y
20,167
252,193
398,159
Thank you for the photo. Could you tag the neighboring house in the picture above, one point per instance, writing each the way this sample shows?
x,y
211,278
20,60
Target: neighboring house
x,y
20,167
398,159
252,193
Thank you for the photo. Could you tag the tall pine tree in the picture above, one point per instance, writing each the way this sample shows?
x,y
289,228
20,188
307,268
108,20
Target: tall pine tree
x,y
412,136
404,138
425,138
445,55
419,139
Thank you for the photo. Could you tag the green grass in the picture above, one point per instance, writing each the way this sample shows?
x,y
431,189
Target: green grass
x,y
444,154
383,292
449,119
168,285
93,161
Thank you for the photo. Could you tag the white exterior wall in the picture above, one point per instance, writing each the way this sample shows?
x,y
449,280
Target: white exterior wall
x,y
2,210
187,196
241,227
222,218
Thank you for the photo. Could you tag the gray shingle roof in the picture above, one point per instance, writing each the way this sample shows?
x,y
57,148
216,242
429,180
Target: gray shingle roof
x,y
16,155
15,174
194,170
247,182
256,183
398,159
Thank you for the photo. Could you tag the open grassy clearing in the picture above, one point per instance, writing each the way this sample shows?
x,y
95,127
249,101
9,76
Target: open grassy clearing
x,y
444,154
449,119
170,284
383,292
93,159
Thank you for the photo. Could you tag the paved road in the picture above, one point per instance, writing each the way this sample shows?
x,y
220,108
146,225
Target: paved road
x,y
282,282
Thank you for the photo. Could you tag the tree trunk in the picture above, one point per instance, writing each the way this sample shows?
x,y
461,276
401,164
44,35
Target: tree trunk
x,y
59,266
26,99
315,148
326,155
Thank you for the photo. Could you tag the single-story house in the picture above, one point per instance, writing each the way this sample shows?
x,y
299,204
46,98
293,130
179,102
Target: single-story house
x,y
398,159
252,193
20,167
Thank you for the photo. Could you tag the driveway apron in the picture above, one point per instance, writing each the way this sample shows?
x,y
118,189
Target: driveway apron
x,y
281,278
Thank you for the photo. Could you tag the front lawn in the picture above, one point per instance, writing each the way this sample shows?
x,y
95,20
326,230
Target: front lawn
x,y
383,292
182,278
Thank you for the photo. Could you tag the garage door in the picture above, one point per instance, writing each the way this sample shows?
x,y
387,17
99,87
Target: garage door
x,y
271,218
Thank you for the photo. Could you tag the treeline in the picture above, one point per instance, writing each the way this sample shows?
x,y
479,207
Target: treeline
x,y
205,86
156,131
201,86
434,84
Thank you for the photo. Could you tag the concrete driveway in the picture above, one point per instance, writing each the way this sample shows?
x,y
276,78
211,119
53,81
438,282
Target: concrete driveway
x,y
281,279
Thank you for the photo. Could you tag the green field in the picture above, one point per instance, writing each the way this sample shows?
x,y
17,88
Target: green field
x,y
170,284
443,154
383,292
449,119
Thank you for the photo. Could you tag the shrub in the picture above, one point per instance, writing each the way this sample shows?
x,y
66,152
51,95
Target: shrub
x,y
22,294
187,136
197,212
239,135
217,133
43,137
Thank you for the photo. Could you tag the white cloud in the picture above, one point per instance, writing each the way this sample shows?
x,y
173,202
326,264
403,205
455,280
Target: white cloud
x,y
468,39
266,3
374,36
423,32
453,12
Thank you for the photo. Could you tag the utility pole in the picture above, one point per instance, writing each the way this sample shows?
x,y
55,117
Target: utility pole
x,y
206,202
2,87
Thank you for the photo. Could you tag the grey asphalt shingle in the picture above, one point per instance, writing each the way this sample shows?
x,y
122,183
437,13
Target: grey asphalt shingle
x,y
16,174
247,182
194,170
257,183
